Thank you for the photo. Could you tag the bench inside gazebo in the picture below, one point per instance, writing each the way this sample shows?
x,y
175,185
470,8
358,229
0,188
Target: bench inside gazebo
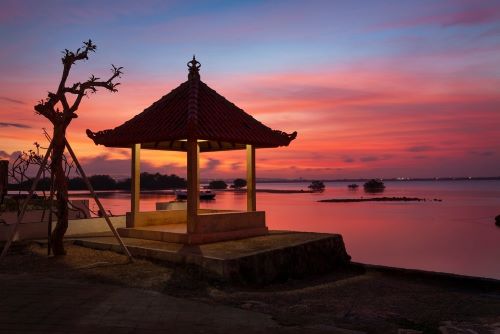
x,y
193,118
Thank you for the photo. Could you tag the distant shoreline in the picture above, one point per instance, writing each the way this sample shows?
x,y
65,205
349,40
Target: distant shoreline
x,y
488,178
379,199
74,193
83,192
12,190
280,191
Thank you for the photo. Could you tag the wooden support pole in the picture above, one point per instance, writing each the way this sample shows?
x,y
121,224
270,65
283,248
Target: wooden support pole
x,y
135,191
193,197
198,174
25,204
251,197
4,178
98,202
49,223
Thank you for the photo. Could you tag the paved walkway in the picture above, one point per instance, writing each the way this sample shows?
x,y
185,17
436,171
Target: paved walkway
x,y
44,305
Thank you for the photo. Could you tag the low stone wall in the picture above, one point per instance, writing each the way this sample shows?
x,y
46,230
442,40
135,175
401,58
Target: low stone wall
x,y
39,230
212,222
149,218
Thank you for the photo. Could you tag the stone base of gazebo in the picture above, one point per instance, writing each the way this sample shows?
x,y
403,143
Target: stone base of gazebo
x,y
211,226
275,257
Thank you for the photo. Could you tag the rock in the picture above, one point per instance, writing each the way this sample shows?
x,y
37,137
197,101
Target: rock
x,y
465,327
408,331
299,308
321,328
246,306
253,304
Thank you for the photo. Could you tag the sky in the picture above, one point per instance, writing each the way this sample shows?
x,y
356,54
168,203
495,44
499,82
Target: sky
x,y
373,88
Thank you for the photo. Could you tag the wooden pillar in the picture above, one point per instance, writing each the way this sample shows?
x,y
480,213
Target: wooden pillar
x,y
135,183
251,197
193,185
4,178
198,172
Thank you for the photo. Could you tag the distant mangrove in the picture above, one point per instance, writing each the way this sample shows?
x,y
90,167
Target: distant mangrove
x,y
217,184
149,181
374,186
317,186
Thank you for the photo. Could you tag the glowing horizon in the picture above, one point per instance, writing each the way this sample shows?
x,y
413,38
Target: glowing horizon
x,y
373,90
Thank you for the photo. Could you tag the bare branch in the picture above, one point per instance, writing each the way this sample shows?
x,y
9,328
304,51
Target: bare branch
x,y
47,108
70,58
81,89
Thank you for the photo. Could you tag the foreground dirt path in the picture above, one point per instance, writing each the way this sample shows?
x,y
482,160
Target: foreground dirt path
x,y
98,291
47,305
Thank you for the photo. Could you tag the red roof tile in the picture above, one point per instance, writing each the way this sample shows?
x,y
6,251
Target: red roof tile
x,y
192,110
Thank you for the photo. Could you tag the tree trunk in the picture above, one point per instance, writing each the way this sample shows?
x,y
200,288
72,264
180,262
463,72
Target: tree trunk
x,y
61,189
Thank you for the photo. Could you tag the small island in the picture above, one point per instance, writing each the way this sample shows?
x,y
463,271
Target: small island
x,y
378,199
374,185
317,186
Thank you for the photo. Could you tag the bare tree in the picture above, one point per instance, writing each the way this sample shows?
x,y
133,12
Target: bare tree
x,y
60,111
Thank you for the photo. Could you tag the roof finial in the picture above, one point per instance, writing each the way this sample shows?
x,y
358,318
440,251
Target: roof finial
x,y
194,68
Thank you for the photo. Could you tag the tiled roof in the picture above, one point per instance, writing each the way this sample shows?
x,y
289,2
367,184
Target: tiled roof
x,y
192,110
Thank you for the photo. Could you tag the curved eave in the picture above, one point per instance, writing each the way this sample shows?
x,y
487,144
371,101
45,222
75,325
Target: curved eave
x,y
108,138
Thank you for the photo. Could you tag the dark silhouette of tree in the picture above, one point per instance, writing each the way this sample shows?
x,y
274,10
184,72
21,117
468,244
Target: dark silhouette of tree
x,y
43,184
217,184
158,181
60,109
317,186
374,186
105,182
125,184
239,183
77,183
102,182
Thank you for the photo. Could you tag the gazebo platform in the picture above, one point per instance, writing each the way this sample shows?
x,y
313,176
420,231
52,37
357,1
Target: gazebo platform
x,y
211,226
279,255
178,233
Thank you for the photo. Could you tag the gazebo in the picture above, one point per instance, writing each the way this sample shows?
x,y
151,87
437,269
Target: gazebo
x,y
193,118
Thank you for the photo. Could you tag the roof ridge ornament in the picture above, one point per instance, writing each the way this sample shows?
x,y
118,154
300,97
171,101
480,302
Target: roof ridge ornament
x,y
194,68
192,111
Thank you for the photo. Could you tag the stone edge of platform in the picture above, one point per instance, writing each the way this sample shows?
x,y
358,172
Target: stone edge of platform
x,y
298,259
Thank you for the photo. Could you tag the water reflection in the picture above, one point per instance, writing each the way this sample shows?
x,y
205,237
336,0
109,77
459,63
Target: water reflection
x,y
456,235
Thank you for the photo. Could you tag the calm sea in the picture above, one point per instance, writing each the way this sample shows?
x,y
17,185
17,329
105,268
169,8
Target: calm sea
x,y
456,235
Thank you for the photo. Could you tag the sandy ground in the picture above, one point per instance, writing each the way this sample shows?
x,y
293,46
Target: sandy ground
x,y
366,300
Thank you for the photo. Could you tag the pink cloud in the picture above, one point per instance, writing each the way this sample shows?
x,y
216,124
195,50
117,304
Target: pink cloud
x,y
4,155
469,14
